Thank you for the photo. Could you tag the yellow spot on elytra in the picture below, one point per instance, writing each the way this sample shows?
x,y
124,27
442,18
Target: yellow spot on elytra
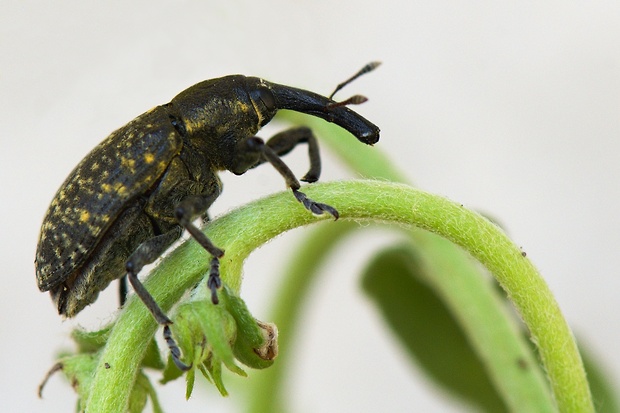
x,y
149,157
128,162
118,187
84,216
121,189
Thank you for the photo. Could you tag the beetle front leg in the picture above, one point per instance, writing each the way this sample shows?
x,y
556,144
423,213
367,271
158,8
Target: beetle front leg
x,y
253,151
315,207
189,209
284,142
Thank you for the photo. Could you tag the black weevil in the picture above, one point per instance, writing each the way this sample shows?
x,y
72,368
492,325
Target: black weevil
x,y
133,195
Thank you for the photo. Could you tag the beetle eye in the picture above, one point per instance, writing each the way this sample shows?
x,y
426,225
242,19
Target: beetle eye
x,y
265,96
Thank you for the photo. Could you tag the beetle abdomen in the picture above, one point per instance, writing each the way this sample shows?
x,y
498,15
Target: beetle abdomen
x,y
122,167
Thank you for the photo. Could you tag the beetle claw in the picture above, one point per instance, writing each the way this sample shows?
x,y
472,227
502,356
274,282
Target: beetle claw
x,y
316,208
214,282
175,352
310,178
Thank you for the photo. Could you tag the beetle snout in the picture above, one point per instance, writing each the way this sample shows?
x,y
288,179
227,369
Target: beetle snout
x,y
370,137
313,104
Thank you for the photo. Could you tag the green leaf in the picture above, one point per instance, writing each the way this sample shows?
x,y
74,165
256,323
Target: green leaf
x,y
215,368
171,372
78,370
137,400
151,393
190,379
427,329
91,341
152,358
604,392
206,333
251,333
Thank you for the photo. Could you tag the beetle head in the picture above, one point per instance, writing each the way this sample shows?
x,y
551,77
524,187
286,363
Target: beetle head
x,y
268,98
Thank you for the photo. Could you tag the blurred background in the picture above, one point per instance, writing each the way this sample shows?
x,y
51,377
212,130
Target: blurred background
x,y
511,109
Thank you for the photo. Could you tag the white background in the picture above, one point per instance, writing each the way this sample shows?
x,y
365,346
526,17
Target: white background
x,y
509,109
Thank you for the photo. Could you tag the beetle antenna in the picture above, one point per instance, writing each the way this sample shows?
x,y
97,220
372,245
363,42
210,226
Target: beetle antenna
x,y
353,100
368,68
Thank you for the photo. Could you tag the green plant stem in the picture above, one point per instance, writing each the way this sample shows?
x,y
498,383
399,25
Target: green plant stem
x,y
482,314
243,230
473,300
451,275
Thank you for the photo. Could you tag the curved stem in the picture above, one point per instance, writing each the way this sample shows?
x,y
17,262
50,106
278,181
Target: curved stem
x,y
247,228
489,325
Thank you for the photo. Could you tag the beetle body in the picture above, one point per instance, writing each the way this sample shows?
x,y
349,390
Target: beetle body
x,y
133,195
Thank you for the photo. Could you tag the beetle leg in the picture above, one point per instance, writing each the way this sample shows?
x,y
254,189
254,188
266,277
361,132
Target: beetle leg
x,y
122,290
145,254
284,142
175,352
281,144
315,207
190,208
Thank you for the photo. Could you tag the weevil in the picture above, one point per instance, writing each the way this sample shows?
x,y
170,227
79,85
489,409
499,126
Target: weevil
x,y
135,193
